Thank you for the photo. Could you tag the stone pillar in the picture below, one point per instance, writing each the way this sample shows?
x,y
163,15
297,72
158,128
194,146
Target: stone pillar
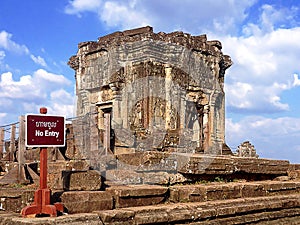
x,y
107,132
21,147
94,132
168,88
100,119
116,119
222,122
206,128
145,106
1,142
104,123
183,111
12,147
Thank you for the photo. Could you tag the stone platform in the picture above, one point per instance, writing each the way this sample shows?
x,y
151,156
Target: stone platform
x,y
260,202
193,189
144,168
259,210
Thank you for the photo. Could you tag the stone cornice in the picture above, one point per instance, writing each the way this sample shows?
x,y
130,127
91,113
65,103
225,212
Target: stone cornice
x,y
195,43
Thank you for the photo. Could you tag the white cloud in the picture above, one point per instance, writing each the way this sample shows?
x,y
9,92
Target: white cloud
x,y
17,89
45,78
8,44
62,103
272,18
61,96
78,6
31,87
296,80
262,70
30,92
38,60
115,14
192,15
67,110
245,97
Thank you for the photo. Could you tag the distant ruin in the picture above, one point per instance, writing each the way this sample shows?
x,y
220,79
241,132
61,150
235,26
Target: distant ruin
x,y
153,91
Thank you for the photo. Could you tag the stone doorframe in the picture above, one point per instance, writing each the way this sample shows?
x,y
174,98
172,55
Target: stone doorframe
x,y
104,124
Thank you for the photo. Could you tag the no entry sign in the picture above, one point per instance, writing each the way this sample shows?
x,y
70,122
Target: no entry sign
x,y
45,131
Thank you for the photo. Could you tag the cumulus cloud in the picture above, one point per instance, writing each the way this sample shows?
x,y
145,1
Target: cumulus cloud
x,y
62,103
46,78
115,14
61,96
30,87
192,15
263,69
30,92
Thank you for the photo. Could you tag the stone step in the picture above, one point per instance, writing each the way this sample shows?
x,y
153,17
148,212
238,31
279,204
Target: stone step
x,y
231,190
237,211
144,195
260,210
14,199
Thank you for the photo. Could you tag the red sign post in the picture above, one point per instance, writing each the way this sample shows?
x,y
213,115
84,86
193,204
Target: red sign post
x,y
44,131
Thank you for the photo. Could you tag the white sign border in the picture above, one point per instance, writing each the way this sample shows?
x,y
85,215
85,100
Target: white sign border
x,y
42,146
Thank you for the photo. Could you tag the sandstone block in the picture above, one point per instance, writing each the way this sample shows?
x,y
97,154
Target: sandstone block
x,y
87,201
81,180
136,195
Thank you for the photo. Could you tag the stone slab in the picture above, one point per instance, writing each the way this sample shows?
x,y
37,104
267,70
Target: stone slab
x,y
86,201
78,219
130,177
199,164
14,199
227,165
138,195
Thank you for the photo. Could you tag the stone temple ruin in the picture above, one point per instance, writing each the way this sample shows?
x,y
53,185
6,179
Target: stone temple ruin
x,y
148,143
153,91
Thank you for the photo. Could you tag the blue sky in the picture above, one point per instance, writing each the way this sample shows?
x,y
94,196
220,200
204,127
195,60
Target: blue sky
x,y
262,37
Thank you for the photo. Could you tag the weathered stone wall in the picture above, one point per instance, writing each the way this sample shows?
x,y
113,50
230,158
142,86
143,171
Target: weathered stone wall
x,y
158,88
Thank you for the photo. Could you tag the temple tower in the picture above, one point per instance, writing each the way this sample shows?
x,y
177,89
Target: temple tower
x,y
153,91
